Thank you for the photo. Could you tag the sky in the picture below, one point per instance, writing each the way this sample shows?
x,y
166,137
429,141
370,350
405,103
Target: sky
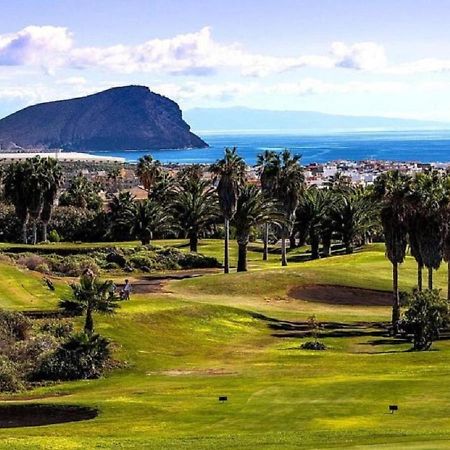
x,y
358,57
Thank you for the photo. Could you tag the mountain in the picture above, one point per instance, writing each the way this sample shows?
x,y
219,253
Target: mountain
x,y
123,118
247,119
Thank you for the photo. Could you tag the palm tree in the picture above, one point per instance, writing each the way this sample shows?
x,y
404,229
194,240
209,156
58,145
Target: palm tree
x,y
89,296
195,207
391,190
145,219
53,177
81,193
162,191
253,209
354,214
120,207
230,174
268,167
16,191
314,208
289,185
148,170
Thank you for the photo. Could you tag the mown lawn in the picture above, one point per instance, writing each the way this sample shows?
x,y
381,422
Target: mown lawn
x,y
201,338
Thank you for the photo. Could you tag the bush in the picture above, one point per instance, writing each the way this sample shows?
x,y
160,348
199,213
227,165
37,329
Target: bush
x,y
80,357
57,328
14,325
42,268
53,236
31,260
9,377
313,345
427,313
198,261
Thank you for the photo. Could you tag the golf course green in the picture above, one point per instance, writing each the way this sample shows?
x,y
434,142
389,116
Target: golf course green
x,y
239,336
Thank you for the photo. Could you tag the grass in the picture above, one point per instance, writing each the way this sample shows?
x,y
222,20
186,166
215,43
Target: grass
x,y
201,338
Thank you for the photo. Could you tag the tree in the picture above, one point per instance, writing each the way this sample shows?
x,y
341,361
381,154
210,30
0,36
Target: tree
x,y
428,202
426,315
16,191
290,182
82,193
53,178
354,214
314,209
120,207
229,173
195,207
163,189
253,209
145,219
148,171
268,166
89,296
391,190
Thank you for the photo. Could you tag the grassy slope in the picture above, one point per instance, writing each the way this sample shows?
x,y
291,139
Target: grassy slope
x,y
198,341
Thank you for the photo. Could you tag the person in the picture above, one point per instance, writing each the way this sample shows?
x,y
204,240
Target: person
x,y
111,289
126,291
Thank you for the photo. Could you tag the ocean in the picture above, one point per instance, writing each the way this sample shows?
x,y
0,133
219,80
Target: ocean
x,y
421,146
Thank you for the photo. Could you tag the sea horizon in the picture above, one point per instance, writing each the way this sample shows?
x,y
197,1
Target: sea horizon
x,y
418,145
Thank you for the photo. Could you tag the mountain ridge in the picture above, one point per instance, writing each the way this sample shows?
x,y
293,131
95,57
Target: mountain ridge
x,y
241,118
121,118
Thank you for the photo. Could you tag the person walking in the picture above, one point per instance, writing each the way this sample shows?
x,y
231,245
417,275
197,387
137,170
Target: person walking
x,y
126,291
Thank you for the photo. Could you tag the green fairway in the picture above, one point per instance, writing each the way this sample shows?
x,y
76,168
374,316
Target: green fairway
x,y
237,335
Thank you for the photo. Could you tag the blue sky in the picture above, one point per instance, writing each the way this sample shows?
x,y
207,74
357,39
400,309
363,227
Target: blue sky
x,y
389,58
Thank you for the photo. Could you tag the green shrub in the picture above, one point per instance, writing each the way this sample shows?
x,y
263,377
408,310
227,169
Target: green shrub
x,y
14,325
30,260
53,236
9,377
80,357
198,261
427,313
59,328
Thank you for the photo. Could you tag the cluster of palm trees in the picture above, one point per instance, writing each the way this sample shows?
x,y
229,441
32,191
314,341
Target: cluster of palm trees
x,y
32,187
414,211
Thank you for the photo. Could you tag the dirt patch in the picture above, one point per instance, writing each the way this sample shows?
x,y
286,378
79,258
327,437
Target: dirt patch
x,y
155,283
341,295
14,416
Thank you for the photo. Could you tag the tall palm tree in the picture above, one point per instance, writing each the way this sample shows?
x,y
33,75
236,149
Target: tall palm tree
x,y
268,166
431,219
148,170
16,191
229,172
391,189
253,209
446,232
81,193
289,186
53,178
120,207
145,219
89,296
195,207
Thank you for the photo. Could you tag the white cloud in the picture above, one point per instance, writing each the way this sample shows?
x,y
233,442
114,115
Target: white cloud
x,y
45,46
192,53
360,56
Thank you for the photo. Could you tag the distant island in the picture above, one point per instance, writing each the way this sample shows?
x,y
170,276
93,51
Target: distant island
x,y
247,119
123,118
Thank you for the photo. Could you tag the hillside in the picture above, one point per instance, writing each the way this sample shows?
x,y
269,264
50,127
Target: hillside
x,y
246,119
124,118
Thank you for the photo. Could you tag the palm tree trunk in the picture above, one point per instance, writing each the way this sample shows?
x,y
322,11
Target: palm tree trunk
x,y
419,277
44,231
314,247
292,241
430,278
24,232
193,242
326,245
283,251
89,322
242,257
226,259
396,299
34,233
266,242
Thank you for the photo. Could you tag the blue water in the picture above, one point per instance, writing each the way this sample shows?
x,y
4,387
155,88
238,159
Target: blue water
x,y
423,146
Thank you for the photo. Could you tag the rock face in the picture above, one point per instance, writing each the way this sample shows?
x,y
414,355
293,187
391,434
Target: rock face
x,y
124,118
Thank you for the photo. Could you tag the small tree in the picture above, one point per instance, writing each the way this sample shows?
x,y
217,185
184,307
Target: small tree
x,y
426,314
89,296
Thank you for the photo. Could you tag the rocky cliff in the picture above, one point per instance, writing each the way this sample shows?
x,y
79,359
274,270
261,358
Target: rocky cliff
x,y
123,118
